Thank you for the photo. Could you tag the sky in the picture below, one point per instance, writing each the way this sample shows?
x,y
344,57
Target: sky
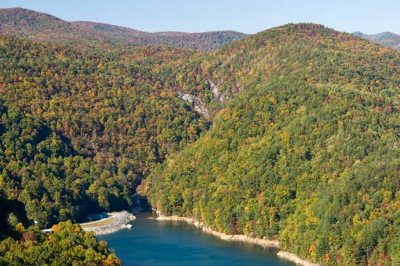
x,y
249,16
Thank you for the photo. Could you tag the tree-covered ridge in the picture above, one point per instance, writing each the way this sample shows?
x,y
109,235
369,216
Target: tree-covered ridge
x,y
199,41
80,131
307,152
315,53
46,28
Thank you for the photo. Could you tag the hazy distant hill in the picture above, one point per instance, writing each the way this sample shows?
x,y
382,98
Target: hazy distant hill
x,y
43,27
386,38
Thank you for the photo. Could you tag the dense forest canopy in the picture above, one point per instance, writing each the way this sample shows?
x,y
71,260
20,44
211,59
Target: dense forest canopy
x,y
67,245
38,169
80,130
306,152
300,142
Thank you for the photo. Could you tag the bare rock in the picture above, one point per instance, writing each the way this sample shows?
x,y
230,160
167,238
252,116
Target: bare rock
x,y
196,103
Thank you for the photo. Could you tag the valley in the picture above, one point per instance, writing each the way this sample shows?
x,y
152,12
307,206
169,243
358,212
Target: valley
x,y
290,135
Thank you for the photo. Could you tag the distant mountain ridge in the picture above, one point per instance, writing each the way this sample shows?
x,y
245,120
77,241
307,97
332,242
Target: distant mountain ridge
x,y
44,27
389,39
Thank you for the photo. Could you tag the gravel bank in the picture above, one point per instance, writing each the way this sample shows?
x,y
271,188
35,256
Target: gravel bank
x,y
111,224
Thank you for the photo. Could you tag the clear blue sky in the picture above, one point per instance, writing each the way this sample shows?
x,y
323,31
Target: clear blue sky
x,y
250,16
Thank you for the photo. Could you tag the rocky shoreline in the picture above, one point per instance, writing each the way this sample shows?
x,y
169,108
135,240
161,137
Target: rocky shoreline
x,y
266,243
116,221
293,257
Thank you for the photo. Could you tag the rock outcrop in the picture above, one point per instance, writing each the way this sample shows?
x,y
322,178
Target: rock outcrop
x,y
196,103
217,95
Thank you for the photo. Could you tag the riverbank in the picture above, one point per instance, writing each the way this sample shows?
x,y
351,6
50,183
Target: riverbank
x,y
266,243
114,222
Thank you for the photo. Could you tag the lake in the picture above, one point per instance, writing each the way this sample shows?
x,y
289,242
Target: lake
x,y
152,242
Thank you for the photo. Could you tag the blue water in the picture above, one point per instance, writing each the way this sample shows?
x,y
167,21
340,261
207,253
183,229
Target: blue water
x,y
152,242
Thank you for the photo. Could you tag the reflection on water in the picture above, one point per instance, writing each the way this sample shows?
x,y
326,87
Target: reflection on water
x,y
152,242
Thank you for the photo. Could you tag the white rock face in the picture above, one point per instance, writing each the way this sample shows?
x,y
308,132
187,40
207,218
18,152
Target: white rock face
x,y
217,95
196,103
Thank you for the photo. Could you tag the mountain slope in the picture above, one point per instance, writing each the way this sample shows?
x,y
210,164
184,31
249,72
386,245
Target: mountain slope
x,y
33,157
106,123
38,26
304,146
43,27
306,152
385,38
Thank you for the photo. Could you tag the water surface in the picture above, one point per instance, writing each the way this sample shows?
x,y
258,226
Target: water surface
x,y
152,242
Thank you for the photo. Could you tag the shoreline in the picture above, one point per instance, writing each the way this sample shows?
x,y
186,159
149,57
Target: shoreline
x,y
266,243
115,222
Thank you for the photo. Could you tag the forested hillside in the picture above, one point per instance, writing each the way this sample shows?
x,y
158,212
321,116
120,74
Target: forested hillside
x,y
291,134
80,131
307,152
37,182
46,28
